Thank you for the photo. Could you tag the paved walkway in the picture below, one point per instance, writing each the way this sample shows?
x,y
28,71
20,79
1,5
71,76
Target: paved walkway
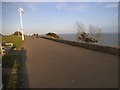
x,y
49,64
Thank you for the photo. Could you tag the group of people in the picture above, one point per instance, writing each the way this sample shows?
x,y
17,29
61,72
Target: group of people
x,y
35,36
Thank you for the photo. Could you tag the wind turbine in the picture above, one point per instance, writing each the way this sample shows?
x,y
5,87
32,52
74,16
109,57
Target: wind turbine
x,y
21,11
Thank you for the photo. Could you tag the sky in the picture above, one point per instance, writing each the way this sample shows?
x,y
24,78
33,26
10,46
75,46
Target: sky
x,y
59,17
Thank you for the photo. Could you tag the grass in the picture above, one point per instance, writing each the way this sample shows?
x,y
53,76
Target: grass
x,y
5,79
16,40
0,39
13,62
13,79
8,61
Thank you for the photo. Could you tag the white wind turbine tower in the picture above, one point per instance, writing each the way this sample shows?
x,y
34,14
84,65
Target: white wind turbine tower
x,y
21,11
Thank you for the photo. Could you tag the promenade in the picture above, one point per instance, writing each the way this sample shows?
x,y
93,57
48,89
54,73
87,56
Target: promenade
x,y
49,64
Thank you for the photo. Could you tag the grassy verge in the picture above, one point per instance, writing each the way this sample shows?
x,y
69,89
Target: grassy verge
x,y
11,62
16,40
11,80
8,61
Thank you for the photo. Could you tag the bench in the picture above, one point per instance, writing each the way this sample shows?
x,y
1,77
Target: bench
x,y
6,48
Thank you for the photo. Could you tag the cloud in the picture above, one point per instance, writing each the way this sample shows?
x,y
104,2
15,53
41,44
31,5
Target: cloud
x,y
60,6
112,5
32,8
79,7
72,7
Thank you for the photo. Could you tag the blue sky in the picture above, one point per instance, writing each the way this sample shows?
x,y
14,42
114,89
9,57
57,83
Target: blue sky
x,y
59,17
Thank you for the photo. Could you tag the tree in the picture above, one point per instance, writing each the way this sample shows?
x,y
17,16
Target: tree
x,y
95,32
93,36
80,31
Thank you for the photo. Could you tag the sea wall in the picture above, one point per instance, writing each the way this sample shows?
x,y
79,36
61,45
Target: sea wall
x,y
100,48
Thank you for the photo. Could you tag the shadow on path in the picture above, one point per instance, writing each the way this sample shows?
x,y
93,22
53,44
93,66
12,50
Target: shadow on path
x,y
24,82
8,66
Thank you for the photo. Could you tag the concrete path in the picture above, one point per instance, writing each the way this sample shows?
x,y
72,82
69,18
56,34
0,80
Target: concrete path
x,y
49,64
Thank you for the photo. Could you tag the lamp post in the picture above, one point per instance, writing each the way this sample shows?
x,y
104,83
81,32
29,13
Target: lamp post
x,y
18,31
21,11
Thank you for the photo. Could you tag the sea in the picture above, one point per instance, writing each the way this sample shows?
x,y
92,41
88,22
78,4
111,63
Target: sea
x,y
107,39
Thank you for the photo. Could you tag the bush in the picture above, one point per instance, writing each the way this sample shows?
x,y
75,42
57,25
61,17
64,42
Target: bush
x,y
17,33
52,35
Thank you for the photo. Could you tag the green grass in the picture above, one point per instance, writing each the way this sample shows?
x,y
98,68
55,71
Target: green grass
x,y
13,79
13,62
0,39
13,39
8,61
5,79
